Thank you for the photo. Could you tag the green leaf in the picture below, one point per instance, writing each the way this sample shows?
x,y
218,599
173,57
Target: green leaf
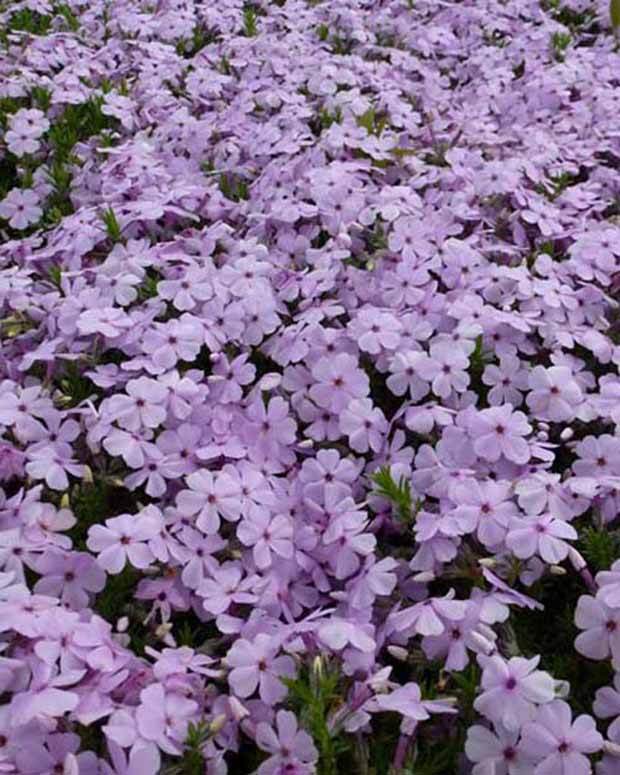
x,y
398,493
614,14
112,225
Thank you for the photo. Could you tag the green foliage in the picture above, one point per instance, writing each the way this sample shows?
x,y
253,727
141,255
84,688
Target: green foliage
x,y
560,41
600,547
201,37
374,123
314,695
70,18
112,225
74,385
26,20
233,187
192,761
398,493
614,15
250,26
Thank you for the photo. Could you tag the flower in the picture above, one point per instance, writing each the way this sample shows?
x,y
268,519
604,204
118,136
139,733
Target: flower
x,y
499,431
163,717
554,393
288,745
559,744
255,665
124,539
499,752
512,690
20,207
541,535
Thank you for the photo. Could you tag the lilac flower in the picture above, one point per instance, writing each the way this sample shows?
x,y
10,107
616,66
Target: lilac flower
x,y
554,394
288,745
542,535
485,507
267,536
445,369
256,665
499,751
225,587
141,407
20,207
560,744
602,629
163,717
499,431
508,381
124,539
364,425
338,380
512,689
209,497
404,375
69,576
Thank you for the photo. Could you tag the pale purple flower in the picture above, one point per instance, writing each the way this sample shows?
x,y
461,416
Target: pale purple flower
x,y
267,536
542,535
511,690
226,586
508,381
338,380
256,665
499,431
20,207
163,717
123,539
445,369
141,406
404,374
70,576
558,743
364,424
499,752
602,630
554,393
288,745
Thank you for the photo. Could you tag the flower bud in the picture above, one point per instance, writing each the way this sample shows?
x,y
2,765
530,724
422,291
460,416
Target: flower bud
x,y
557,570
217,724
238,710
567,434
398,652
425,577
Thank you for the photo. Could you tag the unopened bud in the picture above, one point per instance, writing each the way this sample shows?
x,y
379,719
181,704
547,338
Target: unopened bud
x,y
87,475
557,570
488,562
238,710
613,749
398,652
576,559
567,434
122,624
542,436
306,444
318,667
425,577
214,357
543,426
65,501
486,646
217,724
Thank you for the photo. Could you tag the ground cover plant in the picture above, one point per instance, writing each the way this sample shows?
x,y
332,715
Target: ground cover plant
x,y
309,392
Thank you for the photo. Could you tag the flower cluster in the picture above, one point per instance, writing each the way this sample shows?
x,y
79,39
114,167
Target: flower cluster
x,y
309,390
